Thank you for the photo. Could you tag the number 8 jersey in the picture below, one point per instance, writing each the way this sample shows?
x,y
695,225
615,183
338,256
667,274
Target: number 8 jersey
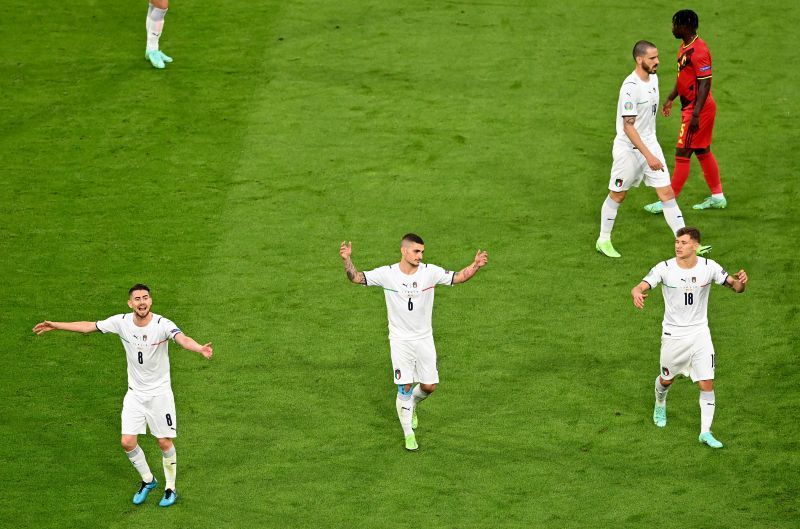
x,y
409,298
685,292
145,349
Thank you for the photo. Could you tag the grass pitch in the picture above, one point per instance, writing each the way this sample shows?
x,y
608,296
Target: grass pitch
x,y
227,181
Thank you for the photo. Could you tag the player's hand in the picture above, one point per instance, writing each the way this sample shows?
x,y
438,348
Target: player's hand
x,y
346,249
41,328
741,277
666,108
481,258
206,350
638,298
654,163
694,123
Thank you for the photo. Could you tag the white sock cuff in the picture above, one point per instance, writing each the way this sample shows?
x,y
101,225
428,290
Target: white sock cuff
x,y
671,203
170,452
707,396
611,203
157,15
133,453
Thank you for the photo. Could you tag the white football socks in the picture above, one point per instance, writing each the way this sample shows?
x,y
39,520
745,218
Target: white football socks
x,y
418,395
139,462
154,25
608,214
661,392
170,463
673,215
707,406
404,407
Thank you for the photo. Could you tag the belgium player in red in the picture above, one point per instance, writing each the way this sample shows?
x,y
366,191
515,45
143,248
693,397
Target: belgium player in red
x,y
698,111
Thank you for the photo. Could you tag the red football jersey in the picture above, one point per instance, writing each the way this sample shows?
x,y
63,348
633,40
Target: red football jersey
x,y
694,63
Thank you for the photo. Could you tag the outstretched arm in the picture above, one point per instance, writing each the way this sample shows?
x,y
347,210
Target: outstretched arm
x,y
350,269
74,326
188,343
462,276
737,281
638,293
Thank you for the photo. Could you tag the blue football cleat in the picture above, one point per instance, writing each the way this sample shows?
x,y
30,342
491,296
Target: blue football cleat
x,y
169,498
144,490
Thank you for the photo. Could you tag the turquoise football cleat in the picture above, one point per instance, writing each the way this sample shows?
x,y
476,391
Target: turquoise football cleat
x,y
157,58
712,203
411,443
703,249
660,416
655,208
708,439
606,248
144,490
414,420
169,498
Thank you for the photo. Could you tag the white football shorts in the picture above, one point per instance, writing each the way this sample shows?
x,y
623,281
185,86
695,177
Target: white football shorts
x,y
414,361
691,356
630,168
157,412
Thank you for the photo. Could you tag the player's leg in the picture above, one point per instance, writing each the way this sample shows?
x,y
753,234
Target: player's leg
x,y
660,408
403,368
701,143
163,422
626,171
133,424
702,372
608,215
427,373
674,359
154,24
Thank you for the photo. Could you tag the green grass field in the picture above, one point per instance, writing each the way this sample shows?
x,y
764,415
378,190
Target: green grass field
x,y
227,181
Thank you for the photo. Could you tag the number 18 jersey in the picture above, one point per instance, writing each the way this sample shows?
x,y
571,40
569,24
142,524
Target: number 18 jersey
x,y
409,298
685,292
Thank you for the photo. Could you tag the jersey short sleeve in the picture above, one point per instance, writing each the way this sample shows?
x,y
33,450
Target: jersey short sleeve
x,y
167,329
111,324
719,275
701,60
377,276
442,276
656,275
628,98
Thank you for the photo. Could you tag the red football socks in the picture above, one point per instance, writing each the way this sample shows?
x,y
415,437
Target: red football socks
x,y
680,174
710,172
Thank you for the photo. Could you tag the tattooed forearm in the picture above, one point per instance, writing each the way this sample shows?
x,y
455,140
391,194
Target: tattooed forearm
x,y
630,120
466,274
352,274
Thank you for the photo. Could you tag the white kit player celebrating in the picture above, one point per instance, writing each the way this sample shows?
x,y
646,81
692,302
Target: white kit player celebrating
x,y
149,400
409,287
686,346
637,154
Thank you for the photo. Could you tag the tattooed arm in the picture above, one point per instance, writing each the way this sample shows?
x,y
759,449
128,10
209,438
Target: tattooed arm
x,y
350,269
464,275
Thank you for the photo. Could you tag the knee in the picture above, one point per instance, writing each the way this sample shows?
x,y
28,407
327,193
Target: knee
x,y
128,442
164,443
616,196
706,385
404,389
428,388
665,193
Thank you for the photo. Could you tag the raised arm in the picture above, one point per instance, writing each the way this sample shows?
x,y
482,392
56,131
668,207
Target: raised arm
x,y
73,326
350,269
638,293
737,281
188,343
462,276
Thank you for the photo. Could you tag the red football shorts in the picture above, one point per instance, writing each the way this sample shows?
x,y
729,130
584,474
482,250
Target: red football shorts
x,y
701,138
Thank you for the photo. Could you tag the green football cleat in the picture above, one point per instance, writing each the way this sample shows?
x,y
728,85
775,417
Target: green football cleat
x,y
707,438
606,248
414,420
660,416
157,58
703,250
712,203
411,443
655,208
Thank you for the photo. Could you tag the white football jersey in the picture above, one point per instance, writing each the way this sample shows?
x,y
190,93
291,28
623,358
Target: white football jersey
x,y
685,292
638,98
145,349
409,298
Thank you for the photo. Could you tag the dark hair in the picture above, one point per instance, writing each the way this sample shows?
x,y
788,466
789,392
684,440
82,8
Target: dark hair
x,y
412,237
686,18
694,233
138,286
641,47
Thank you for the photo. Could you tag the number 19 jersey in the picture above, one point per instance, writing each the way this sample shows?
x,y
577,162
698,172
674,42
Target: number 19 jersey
x,y
685,292
145,350
409,298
